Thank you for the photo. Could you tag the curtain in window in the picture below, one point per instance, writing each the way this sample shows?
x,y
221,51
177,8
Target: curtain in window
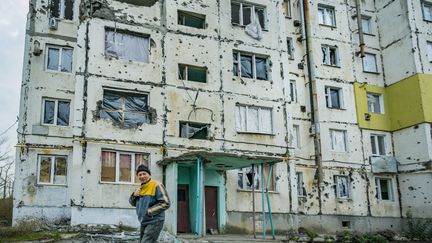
x,y
241,118
45,170
60,170
53,59
338,141
265,120
334,96
63,113
125,46
125,167
66,64
108,166
252,119
246,66
49,112
261,68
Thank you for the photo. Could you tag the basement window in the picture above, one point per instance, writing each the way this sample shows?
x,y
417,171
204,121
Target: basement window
x,y
301,192
375,103
52,170
131,47
194,130
245,13
384,189
254,119
250,66
378,144
338,140
330,55
61,9
342,187
119,167
326,15
191,19
370,63
192,73
130,110
59,59
55,112
427,11
248,178
334,97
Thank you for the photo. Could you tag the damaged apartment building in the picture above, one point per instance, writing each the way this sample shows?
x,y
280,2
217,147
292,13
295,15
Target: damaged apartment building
x,y
257,114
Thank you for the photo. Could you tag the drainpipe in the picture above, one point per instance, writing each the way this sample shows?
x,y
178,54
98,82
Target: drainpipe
x,y
360,29
315,128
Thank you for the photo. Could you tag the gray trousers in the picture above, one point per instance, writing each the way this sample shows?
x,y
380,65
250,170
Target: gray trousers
x,y
150,233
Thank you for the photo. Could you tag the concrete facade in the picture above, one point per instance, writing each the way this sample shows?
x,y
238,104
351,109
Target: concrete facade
x,y
319,115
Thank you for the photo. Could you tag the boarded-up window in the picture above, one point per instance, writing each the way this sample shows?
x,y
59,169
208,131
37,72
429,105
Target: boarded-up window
x,y
127,46
338,139
247,178
62,9
254,119
52,169
120,167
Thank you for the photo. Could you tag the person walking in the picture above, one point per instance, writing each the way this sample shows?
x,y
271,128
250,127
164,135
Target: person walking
x,y
151,200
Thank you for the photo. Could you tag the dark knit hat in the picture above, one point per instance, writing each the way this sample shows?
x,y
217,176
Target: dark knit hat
x,y
142,168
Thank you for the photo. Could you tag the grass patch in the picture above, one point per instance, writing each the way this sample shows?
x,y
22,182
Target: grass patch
x,y
127,228
30,236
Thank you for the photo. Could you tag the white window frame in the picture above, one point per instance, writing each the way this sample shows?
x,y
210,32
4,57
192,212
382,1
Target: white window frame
x,y
370,56
62,6
52,168
55,111
287,8
389,181
329,100
254,71
301,192
257,174
323,10
380,102
366,21
339,179
375,144
290,48
293,91
328,50
427,5
296,137
259,116
253,16
332,137
60,58
429,50
117,166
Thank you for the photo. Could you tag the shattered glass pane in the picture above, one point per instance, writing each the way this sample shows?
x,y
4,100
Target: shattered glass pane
x,y
246,66
193,130
112,100
324,54
68,9
63,113
136,103
125,167
247,13
53,59
55,8
235,13
240,180
66,63
261,68
45,170
342,184
261,17
49,112
197,74
111,115
60,170
108,164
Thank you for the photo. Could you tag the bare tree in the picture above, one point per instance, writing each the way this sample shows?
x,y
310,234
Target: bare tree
x,y
6,170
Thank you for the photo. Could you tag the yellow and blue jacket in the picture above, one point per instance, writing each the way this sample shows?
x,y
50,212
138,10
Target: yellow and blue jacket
x,y
151,203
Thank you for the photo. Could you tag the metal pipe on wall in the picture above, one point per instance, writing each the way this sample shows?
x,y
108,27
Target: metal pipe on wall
x,y
360,29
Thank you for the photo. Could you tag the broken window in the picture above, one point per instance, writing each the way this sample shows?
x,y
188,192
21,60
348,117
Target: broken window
x,y
287,8
338,140
250,66
254,119
127,109
194,130
427,11
429,50
378,144
117,166
333,97
62,9
127,46
192,73
52,169
366,24
246,178
369,63
326,15
384,189
293,91
290,48
245,13
191,19
330,55
342,187
59,59
301,191
296,137
55,112
375,103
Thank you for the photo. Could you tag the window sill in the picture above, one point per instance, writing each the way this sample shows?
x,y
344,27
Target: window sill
x,y
110,58
371,72
39,184
118,183
344,199
376,113
339,152
329,26
54,125
427,20
369,34
57,72
251,79
256,191
255,133
329,65
244,26
336,108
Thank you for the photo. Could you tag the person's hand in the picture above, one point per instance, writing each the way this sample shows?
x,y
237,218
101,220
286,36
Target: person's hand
x,y
137,192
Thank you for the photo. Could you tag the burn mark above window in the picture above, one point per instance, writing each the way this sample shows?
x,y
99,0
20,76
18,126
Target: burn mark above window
x,y
193,130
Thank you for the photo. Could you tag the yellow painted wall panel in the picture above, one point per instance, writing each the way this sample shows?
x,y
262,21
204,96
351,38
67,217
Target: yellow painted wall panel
x,y
426,93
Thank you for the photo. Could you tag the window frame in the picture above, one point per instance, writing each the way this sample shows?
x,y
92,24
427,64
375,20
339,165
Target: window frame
x,y
253,10
56,101
257,172
376,142
60,58
337,179
375,71
380,102
237,62
328,50
117,166
186,69
293,91
187,123
325,9
287,9
426,4
369,24
378,191
332,131
62,10
429,50
259,116
290,48
296,133
193,15
301,191
52,169
329,103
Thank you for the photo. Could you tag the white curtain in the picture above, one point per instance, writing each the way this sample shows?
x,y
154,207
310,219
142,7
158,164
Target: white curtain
x,y
125,46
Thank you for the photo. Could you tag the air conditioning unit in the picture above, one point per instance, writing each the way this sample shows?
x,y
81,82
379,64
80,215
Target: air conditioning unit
x,y
53,23
383,164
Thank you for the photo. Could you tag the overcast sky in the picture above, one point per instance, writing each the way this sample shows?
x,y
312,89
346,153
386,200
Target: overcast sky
x,y
12,31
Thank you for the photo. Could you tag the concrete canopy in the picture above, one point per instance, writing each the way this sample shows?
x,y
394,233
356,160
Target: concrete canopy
x,y
221,161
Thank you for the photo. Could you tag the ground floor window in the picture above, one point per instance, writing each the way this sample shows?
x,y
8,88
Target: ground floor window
x,y
52,169
248,177
384,189
119,166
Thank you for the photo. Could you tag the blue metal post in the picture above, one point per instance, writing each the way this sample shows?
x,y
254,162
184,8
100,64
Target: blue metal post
x,y
268,201
263,202
198,216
